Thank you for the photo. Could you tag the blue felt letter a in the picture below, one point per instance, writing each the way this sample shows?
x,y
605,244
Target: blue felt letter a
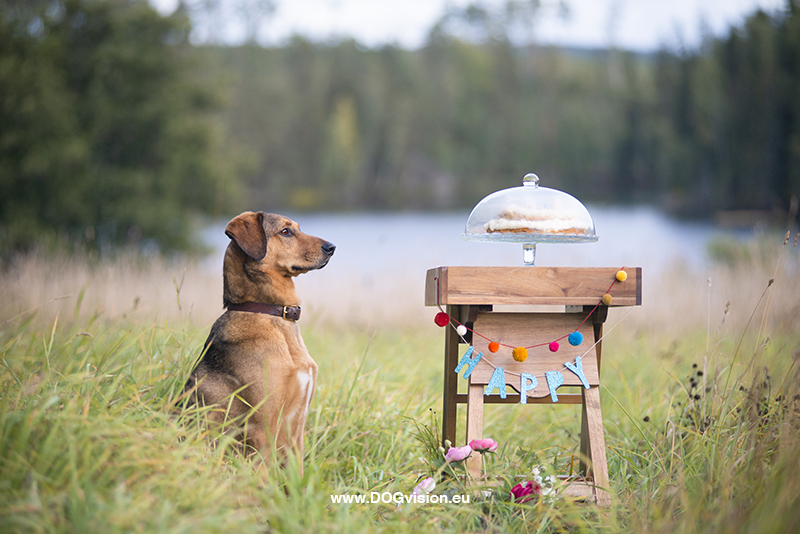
x,y
498,381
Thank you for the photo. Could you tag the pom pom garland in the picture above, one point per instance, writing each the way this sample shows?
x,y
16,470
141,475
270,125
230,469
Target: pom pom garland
x,y
441,319
520,354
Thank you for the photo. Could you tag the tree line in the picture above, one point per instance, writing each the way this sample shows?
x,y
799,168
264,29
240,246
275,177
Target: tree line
x,y
115,129
106,136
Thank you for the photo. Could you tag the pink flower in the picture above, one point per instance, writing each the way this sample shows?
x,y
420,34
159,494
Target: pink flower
x,y
522,493
456,454
483,445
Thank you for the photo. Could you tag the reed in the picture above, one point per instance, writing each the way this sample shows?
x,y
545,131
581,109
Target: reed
x,y
154,289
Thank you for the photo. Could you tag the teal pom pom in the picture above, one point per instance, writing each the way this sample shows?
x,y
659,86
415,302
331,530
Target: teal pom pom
x,y
575,339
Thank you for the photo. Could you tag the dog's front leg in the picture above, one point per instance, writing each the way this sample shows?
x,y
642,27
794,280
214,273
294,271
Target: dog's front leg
x,y
254,424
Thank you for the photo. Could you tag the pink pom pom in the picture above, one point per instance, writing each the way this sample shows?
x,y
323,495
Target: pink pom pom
x,y
554,346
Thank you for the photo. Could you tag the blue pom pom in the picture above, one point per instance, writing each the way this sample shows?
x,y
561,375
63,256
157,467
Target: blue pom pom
x,y
575,339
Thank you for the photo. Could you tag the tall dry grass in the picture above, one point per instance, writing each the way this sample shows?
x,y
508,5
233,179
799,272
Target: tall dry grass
x,y
682,298
129,286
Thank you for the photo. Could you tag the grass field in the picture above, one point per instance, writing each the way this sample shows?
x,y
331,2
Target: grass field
x,y
702,427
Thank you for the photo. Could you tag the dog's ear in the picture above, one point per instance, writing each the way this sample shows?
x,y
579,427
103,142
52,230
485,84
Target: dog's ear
x,y
247,230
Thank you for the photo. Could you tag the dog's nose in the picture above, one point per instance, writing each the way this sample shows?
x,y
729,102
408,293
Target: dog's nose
x,y
328,248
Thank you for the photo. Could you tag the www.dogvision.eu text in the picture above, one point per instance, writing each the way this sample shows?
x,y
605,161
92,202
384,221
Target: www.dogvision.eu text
x,y
398,497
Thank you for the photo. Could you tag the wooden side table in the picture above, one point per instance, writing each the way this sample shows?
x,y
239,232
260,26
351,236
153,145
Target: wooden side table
x,y
469,294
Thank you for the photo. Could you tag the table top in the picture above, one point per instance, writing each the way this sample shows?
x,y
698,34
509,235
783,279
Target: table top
x,y
531,286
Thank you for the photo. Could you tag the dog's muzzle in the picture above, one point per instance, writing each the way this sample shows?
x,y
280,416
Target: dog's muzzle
x,y
327,251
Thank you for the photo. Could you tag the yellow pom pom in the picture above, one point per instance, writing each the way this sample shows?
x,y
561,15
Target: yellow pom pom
x,y
520,354
622,276
607,299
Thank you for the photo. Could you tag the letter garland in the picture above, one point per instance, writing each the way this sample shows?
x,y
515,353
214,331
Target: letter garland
x,y
528,382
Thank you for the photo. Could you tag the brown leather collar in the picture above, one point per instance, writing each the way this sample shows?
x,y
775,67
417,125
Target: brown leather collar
x,y
291,313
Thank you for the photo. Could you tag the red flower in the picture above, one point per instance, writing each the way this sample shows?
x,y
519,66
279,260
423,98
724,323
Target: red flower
x,y
524,493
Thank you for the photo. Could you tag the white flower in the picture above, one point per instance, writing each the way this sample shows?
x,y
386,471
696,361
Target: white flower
x,y
427,485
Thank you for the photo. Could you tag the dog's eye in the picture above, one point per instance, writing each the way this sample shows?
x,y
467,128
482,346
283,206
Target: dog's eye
x,y
286,232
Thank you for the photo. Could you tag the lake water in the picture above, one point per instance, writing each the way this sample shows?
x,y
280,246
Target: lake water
x,y
378,271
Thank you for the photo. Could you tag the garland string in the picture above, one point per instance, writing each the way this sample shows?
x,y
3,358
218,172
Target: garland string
x,y
453,320
564,368
439,305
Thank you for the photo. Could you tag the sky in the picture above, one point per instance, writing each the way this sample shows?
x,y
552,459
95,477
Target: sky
x,y
642,25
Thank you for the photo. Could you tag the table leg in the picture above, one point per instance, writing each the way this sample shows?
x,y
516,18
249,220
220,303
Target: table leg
x,y
475,426
449,406
593,439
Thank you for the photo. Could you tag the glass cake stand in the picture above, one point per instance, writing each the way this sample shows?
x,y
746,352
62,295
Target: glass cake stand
x,y
530,214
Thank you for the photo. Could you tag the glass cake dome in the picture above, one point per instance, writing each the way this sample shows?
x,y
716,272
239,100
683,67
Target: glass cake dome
x,y
530,214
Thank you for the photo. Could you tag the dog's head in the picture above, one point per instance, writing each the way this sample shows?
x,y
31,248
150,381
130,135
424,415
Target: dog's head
x,y
265,252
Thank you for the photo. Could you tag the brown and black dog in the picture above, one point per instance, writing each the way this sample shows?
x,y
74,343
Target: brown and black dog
x,y
255,369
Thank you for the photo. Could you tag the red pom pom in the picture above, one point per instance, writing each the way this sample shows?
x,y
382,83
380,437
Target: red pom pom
x,y
554,346
441,319
494,346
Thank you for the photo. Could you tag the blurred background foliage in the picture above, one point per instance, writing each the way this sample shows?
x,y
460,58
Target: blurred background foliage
x,y
115,128
107,135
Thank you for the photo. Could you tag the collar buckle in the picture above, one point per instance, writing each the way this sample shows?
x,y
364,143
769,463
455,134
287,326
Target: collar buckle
x,y
291,313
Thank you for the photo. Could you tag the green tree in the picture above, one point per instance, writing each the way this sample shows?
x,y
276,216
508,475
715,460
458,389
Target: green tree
x,y
105,139
734,118
336,125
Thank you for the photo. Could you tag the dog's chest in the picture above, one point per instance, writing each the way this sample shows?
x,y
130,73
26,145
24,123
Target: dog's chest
x,y
306,384
301,375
